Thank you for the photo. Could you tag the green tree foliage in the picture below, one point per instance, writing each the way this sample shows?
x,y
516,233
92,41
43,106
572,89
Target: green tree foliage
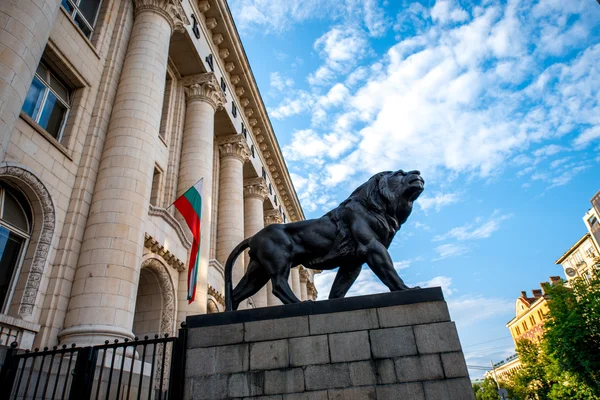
x,y
531,382
572,331
486,390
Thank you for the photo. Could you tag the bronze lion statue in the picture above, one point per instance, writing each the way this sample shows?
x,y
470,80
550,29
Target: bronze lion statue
x,y
358,231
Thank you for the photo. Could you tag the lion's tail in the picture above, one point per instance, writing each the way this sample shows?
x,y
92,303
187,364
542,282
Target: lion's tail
x,y
229,269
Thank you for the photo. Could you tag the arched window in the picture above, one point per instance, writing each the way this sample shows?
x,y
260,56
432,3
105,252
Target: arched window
x,y
15,231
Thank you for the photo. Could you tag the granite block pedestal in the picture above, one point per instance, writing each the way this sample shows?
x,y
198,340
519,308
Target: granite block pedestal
x,y
399,345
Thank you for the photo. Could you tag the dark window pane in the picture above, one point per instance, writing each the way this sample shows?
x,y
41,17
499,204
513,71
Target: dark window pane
x,y
81,24
67,6
89,8
52,115
59,88
13,213
10,248
34,97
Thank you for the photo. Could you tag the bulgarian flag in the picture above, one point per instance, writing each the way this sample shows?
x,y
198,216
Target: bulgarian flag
x,y
190,207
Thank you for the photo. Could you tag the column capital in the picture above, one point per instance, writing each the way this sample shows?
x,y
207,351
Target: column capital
x,y
311,289
204,87
303,275
234,146
172,10
255,187
273,217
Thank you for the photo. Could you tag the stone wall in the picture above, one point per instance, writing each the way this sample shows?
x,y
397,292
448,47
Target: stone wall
x,y
390,346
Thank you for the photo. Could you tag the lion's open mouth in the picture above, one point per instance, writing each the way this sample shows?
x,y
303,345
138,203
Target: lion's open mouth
x,y
417,179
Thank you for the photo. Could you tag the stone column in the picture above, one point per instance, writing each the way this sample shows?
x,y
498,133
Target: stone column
x,y
203,97
303,283
104,292
234,152
295,273
24,31
255,192
272,217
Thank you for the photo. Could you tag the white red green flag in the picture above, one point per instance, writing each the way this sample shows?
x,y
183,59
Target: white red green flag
x,y
190,207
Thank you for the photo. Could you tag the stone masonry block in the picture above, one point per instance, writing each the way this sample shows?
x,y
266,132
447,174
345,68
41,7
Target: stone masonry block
x,y
449,389
246,384
355,393
437,338
419,368
230,359
215,335
213,387
385,371
269,355
343,322
316,395
329,376
393,342
276,329
200,362
349,346
309,350
454,365
413,314
412,391
273,397
362,373
284,381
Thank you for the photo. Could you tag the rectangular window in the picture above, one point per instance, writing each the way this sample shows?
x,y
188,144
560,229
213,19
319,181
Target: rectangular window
x,y
164,118
252,150
540,315
532,320
223,85
195,28
84,13
209,60
525,326
264,173
48,102
156,192
270,189
234,111
577,257
244,130
518,330
275,199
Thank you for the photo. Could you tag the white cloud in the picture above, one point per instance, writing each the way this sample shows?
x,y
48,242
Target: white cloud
x,y
549,150
279,82
450,250
442,281
300,102
587,136
479,229
437,201
445,11
467,310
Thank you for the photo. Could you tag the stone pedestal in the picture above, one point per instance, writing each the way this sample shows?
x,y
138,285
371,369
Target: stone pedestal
x,y
398,345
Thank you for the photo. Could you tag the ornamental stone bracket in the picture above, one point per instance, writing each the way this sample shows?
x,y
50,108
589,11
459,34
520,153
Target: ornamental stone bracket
x,y
304,275
256,187
204,87
234,146
155,247
172,10
273,217
311,289
216,295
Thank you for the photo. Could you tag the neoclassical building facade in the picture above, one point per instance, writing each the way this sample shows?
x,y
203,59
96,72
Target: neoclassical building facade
x,y
109,110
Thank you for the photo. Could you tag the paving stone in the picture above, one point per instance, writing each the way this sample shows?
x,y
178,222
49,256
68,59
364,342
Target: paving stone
x,y
246,384
213,387
200,362
454,365
314,395
419,368
362,373
357,393
385,372
349,346
449,389
413,314
230,359
400,391
343,321
269,355
276,329
284,381
393,342
215,335
437,338
309,350
329,376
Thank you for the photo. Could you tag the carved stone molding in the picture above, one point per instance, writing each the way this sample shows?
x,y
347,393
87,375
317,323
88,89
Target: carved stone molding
x,y
273,217
239,90
217,39
224,53
235,79
155,247
29,182
256,187
203,6
252,122
248,112
312,290
229,67
161,212
234,146
303,275
244,101
167,291
211,23
172,10
204,87
216,295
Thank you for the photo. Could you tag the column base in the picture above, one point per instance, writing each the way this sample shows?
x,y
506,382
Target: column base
x,y
89,335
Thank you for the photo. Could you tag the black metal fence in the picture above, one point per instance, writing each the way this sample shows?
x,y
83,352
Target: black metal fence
x,y
149,368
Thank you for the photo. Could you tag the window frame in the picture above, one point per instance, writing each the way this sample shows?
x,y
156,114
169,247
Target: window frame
x,y
4,308
73,14
47,89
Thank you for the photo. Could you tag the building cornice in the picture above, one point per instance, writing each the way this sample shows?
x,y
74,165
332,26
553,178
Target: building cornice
x,y
573,248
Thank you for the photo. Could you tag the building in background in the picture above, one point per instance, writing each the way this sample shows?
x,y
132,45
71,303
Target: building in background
x,y
109,110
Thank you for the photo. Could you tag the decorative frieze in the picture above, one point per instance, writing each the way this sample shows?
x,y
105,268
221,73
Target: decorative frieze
x,y
204,87
235,79
155,247
273,217
256,187
244,101
211,23
229,67
203,6
239,90
224,53
252,122
234,146
216,295
217,39
248,112
172,10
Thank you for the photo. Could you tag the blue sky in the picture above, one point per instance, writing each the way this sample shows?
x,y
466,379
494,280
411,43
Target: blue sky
x,y
496,102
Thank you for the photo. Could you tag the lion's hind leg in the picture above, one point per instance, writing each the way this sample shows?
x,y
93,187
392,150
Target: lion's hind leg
x,y
253,280
344,279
